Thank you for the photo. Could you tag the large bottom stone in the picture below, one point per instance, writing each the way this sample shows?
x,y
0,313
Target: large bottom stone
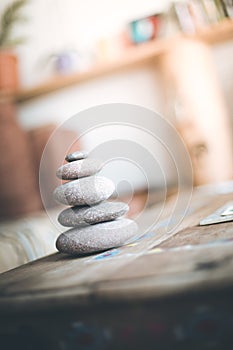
x,y
95,238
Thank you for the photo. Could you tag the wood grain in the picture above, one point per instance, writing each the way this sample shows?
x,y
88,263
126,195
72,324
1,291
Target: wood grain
x,y
147,268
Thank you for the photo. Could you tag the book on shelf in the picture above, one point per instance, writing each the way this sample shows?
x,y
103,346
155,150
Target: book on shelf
x,y
193,15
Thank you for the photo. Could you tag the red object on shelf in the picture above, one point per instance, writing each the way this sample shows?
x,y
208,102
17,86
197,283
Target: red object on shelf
x,y
144,29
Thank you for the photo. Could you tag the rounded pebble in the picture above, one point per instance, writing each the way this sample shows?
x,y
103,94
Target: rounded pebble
x,y
76,156
85,191
79,168
95,238
105,211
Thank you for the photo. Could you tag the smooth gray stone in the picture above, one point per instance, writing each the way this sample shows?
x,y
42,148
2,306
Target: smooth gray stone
x,y
95,238
85,191
106,211
76,156
79,168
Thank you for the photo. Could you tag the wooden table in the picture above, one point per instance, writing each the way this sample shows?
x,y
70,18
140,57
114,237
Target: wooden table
x,y
166,289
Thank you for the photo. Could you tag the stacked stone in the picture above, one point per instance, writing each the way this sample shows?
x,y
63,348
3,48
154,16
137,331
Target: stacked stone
x,y
97,224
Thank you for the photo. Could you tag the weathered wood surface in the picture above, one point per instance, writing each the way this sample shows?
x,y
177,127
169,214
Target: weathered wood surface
x,y
159,264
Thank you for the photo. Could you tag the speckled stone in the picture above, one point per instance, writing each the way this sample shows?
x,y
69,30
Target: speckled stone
x,y
85,191
76,156
105,211
95,238
79,168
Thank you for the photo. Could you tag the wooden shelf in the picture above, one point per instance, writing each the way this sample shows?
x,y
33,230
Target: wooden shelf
x,y
140,54
133,56
220,32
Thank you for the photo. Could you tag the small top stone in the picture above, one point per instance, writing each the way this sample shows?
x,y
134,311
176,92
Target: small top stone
x,y
71,157
79,168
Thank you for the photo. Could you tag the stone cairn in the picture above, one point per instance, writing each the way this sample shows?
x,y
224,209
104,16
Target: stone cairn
x,y
97,224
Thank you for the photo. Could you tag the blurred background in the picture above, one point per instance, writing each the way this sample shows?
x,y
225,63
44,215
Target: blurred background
x,y
58,58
